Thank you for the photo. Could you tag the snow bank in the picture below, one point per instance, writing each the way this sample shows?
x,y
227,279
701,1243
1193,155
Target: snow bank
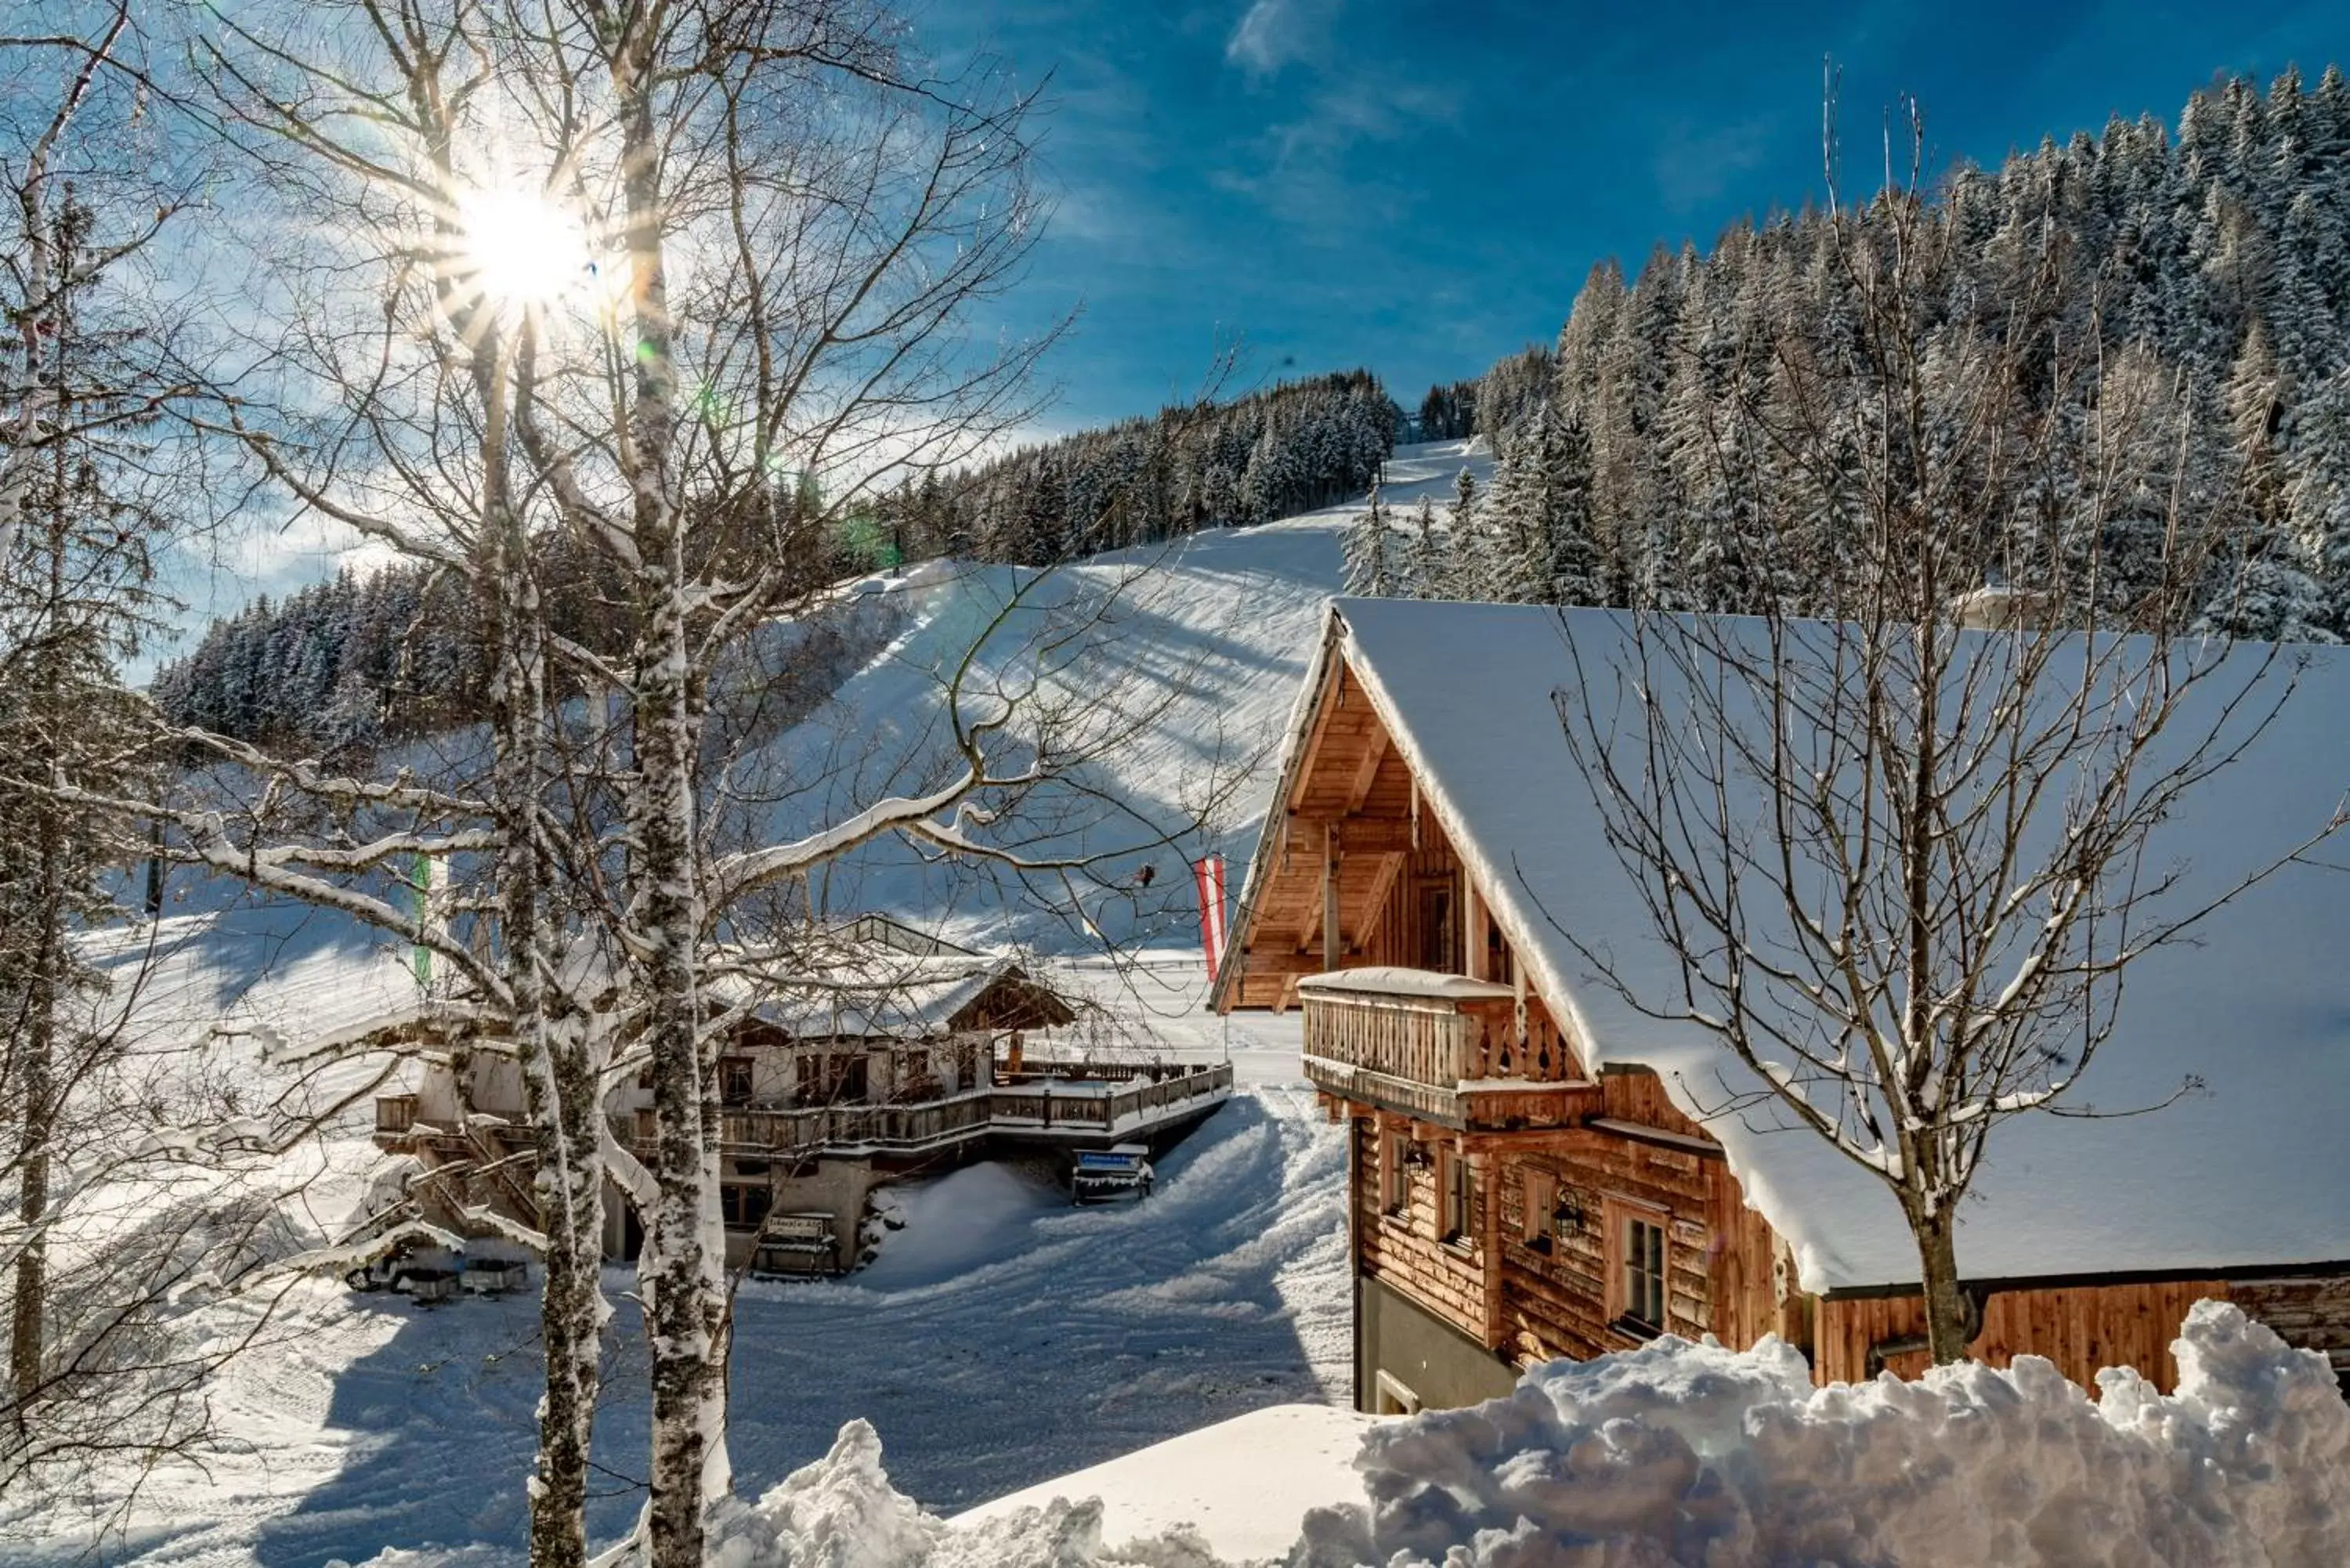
x,y
1681,1456
1689,1456
842,1512
1242,1484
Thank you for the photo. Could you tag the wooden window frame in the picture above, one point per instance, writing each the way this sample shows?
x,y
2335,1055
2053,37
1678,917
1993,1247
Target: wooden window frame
x,y
1395,1174
1619,1215
736,1073
1538,1197
735,1204
1456,1199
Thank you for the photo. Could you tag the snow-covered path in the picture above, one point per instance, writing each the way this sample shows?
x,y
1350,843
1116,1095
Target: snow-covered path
x,y
1002,1339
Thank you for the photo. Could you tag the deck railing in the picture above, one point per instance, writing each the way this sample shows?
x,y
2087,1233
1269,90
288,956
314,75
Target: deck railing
x,y
883,1127
1019,1106
1421,1039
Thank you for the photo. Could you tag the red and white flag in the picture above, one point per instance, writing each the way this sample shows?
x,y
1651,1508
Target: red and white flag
x,y
1210,875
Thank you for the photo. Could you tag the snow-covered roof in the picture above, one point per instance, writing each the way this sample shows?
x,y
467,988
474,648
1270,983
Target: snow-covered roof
x,y
1380,979
872,991
2248,1173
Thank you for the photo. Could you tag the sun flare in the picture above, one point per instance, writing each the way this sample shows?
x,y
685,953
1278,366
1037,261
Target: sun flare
x,y
520,248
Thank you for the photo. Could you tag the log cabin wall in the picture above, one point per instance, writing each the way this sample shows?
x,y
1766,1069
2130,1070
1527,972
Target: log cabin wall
x,y
2085,1328
2082,1329
2310,1313
1404,1249
1554,1287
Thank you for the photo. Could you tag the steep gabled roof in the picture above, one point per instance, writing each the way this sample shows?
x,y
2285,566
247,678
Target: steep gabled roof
x,y
2247,1174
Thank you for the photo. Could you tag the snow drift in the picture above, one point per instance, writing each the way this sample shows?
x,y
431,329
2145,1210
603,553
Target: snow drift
x,y
1694,1456
1690,1456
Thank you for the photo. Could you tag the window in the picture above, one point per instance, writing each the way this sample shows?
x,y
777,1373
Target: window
x,y
1395,1181
743,1207
1636,1265
1438,950
1395,1398
827,1079
1540,1199
733,1080
1459,1219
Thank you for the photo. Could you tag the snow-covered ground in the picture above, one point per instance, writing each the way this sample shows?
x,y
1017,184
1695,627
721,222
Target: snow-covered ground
x,y
1002,1338
1243,1485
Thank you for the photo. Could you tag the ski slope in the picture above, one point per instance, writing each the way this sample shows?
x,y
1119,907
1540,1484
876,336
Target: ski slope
x,y
1168,672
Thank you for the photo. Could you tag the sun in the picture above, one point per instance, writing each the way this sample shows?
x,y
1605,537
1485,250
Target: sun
x,y
519,248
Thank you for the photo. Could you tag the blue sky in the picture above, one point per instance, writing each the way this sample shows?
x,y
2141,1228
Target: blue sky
x,y
1422,187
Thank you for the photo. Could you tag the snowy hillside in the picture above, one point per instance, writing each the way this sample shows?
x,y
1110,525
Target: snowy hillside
x,y
1203,640
1001,1339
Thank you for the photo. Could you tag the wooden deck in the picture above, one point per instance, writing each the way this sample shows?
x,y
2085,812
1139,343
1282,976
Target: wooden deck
x,y
1072,1102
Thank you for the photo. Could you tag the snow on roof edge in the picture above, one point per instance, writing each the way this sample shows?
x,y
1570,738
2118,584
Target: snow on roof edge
x,y
1292,751
1396,979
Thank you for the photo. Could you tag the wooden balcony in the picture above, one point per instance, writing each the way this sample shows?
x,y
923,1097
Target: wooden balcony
x,y
1441,1048
394,1114
1060,1102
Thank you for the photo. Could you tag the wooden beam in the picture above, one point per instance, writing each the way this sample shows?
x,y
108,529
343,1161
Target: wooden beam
x,y
1325,705
1287,966
1367,835
1391,866
1368,770
1333,943
1472,927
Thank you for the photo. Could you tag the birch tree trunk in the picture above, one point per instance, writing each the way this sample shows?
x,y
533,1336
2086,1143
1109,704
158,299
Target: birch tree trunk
x,y
683,1267
560,1084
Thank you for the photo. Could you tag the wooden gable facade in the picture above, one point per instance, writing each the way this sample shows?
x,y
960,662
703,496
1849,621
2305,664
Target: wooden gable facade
x,y
1506,1203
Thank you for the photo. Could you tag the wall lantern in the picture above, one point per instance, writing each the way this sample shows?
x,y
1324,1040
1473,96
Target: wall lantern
x,y
1566,1216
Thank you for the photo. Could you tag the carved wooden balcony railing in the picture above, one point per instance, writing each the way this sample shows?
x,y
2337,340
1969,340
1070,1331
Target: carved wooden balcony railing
x,y
1439,1047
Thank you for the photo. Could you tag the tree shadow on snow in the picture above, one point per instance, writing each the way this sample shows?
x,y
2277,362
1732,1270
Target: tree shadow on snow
x,y
1060,1339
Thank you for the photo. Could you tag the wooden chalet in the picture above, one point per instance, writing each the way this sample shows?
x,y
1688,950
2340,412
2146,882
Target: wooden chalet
x,y
1531,1174
883,1052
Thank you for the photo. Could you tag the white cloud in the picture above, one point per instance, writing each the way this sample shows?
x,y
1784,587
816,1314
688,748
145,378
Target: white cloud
x,y
1273,33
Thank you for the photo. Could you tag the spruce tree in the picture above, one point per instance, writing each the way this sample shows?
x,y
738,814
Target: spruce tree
x,y
1430,569
1374,556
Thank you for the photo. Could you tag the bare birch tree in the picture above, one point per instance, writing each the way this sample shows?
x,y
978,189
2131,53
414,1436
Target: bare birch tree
x,y
1905,853
91,495
686,283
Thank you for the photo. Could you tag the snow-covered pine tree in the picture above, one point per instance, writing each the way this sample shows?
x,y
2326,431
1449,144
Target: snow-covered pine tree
x,y
2270,596
2320,501
1533,533
1430,567
1374,555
